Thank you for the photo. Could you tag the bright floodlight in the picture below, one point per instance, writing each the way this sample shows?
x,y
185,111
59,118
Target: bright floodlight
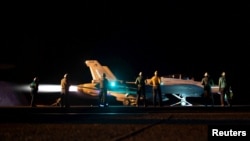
x,y
112,84
47,88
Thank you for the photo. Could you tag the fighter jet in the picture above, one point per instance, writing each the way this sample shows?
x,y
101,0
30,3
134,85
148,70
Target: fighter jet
x,y
126,92
117,88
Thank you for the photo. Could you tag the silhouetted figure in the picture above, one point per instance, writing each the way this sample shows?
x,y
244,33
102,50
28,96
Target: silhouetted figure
x,y
140,82
225,90
34,91
103,85
222,87
207,83
65,91
229,95
156,84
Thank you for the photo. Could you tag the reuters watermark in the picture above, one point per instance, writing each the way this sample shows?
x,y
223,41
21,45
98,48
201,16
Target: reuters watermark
x,y
241,132
231,132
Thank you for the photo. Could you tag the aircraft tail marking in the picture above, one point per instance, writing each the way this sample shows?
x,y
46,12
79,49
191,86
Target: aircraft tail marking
x,y
97,70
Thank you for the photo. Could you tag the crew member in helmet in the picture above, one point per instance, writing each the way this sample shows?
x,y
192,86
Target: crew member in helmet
x,y
34,91
225,90
65,91
140,82
156,84
103,101
207,83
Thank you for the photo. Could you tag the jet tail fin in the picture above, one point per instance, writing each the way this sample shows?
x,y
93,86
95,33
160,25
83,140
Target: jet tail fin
x,y
97,70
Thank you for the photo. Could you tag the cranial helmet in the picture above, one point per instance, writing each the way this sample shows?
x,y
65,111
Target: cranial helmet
x,y
156,72
223,73
140,73
206,74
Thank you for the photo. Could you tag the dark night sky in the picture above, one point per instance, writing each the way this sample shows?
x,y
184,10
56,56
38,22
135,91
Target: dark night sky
x,y
49,40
